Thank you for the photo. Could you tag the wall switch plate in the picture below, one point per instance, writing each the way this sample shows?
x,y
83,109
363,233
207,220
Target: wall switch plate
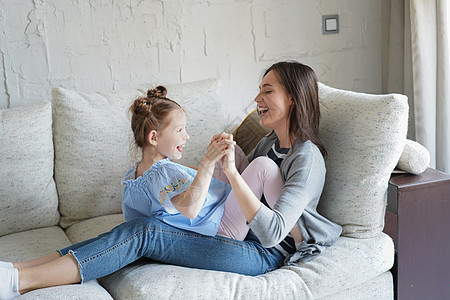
x,y
330,24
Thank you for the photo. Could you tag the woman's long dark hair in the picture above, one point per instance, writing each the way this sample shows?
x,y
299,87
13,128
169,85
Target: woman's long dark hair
x,y
300,82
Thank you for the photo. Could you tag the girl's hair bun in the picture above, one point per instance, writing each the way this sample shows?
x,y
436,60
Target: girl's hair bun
x,y
157,92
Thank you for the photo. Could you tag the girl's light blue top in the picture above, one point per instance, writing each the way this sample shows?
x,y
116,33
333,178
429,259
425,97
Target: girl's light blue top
x,y
150,196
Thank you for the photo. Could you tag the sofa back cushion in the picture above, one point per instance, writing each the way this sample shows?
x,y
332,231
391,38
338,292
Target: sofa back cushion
x,y
93,138
364,136
28,197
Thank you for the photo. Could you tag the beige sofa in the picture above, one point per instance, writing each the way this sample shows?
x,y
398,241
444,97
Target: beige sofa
x,y
61,166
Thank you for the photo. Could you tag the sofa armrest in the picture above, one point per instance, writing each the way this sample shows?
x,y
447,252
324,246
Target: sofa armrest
x,y
417,219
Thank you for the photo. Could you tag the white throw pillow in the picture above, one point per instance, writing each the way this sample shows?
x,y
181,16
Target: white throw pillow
x,y
28,197
364,136
93,138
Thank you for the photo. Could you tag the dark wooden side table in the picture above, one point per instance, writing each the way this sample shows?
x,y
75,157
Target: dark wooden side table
x,y
418,220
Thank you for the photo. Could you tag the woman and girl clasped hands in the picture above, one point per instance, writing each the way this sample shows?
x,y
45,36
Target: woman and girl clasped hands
x,y
247,215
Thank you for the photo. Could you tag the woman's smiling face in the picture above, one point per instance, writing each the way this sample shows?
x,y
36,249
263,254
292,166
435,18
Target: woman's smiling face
x,y
273,103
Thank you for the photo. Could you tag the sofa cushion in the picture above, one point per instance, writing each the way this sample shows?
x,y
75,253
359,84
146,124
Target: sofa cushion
x,y
90,228
93,138
90,290
380,287
348,263
35,243
32,244
364,136
147,280
28,197
331,272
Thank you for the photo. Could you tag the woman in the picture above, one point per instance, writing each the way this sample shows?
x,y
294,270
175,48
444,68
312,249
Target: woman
x,y
292,231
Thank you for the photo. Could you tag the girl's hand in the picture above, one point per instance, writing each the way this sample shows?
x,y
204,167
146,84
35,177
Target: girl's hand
x,y
228,160
221,136
217,149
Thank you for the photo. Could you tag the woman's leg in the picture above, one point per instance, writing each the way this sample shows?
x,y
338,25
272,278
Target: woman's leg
x,y
263,177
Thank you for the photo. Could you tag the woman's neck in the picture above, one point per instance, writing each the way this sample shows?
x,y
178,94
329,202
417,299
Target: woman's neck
x,y
283,138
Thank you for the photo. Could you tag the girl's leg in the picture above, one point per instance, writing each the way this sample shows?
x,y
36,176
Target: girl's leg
x,y
37,262
56,271
41,260
263,177
151,238
63,270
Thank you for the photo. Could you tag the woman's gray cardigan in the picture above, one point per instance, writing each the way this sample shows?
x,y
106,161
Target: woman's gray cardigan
x,y
303,173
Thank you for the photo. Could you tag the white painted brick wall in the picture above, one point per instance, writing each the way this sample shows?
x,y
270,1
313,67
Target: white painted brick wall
x,y
97,45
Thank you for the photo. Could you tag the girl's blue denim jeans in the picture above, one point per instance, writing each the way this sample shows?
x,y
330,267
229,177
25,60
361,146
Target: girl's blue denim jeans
x,y
152,238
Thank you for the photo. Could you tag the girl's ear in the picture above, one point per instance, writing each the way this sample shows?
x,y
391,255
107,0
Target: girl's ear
x,y
152,138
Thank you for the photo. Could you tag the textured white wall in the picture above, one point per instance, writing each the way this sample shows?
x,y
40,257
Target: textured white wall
x,y
98,45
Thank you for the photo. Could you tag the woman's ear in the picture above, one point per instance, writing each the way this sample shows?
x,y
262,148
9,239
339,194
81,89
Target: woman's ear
x,y
152,138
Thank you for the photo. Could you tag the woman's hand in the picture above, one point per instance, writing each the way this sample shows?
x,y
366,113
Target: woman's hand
x,y
228,160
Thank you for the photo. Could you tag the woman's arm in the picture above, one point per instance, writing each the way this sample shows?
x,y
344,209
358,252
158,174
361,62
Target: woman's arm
x,y
248,202
190,202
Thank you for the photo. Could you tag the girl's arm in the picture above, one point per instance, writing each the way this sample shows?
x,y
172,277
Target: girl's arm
x,y
190,202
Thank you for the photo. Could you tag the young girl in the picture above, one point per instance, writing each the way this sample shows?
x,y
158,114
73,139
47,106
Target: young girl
x,y
177,195
289,105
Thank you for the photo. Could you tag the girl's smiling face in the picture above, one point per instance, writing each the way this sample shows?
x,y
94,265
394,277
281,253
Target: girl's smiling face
x,y
273,103
172,139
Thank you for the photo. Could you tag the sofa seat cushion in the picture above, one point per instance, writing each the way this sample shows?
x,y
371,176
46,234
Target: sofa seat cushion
x,y
91,228
35,243
349,262
90,290
380,287
150,280
335,270
32,244
28,197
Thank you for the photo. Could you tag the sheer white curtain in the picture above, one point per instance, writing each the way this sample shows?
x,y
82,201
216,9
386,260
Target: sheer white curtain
x,y
417,64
